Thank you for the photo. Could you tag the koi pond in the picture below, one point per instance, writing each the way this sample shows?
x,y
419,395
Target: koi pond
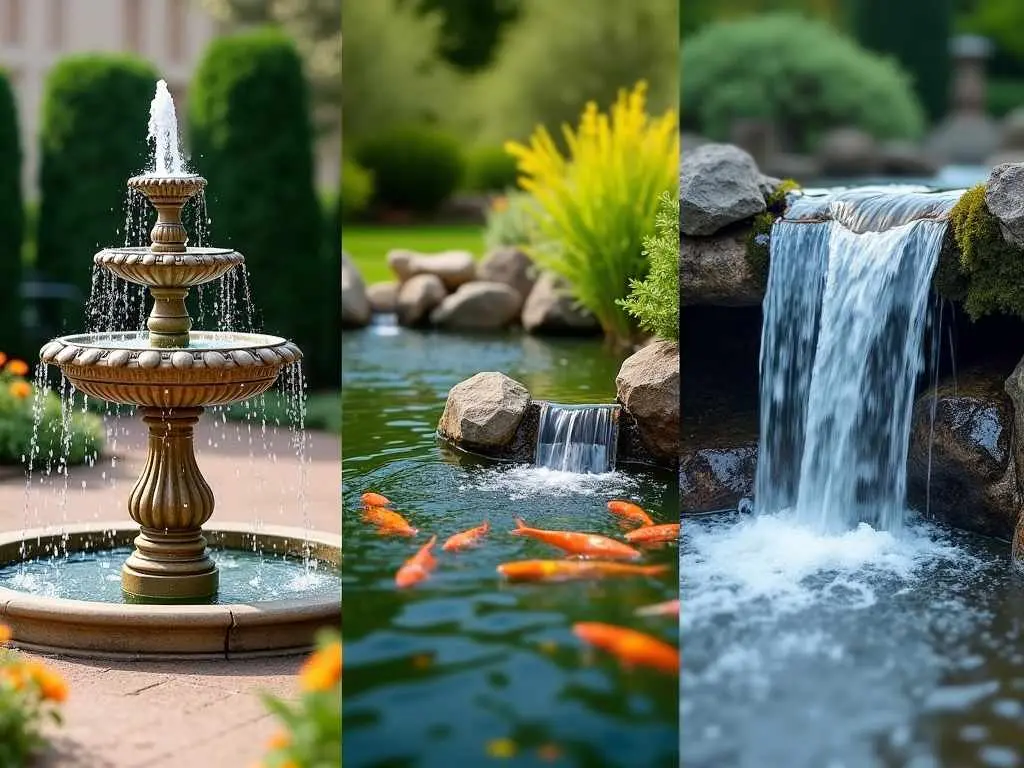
x,y
465,667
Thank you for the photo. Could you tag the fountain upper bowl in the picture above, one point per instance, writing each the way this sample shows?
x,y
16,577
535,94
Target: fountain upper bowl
x,y
214,369
142,266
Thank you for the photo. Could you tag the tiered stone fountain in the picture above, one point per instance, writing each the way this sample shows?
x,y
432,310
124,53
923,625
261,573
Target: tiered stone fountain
x,y
170,582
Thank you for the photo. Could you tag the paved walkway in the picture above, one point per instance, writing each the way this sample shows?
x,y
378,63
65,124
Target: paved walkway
x,y
208,713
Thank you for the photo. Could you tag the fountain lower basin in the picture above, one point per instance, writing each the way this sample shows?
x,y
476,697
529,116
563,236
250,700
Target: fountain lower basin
x,y
214,369
97,629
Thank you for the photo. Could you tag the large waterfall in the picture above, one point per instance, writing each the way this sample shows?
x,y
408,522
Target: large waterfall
x,y
841,349
577,438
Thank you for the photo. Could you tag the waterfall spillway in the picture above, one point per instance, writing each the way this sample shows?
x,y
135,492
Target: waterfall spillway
x,y
844,314
577,438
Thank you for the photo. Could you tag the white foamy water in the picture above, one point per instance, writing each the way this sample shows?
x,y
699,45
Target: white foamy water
x,y
163,132
525,482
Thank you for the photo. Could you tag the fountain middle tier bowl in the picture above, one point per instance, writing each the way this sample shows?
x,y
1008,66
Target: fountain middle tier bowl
x,y
214,369
142,266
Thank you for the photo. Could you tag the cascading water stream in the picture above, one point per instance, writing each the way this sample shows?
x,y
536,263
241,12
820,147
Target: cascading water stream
x,y
844,316
577,438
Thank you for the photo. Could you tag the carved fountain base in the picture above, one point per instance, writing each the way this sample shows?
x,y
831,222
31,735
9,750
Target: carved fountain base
x,y
171,502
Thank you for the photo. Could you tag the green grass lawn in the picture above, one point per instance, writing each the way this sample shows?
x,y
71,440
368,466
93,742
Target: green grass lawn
x,y
369,244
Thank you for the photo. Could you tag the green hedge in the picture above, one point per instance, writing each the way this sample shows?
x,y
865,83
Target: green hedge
x,y
803,75
92,137
252,138
490,168
12,222
356,190
415,167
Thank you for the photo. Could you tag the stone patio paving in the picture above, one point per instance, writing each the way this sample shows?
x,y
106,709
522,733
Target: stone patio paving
x,y
124,714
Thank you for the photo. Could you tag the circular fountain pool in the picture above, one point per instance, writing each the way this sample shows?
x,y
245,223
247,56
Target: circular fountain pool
x,y
61,592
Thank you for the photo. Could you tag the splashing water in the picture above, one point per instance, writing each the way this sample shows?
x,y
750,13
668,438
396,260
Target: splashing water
x,y
163,132
844,321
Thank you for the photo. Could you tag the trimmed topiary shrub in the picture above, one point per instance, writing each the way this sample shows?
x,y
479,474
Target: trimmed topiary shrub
x,y
803,75
356,190
992,270
251,134
92,138
12,220
490,169
415,168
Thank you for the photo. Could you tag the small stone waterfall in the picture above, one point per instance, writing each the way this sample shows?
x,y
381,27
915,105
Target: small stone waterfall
x,y
841,349
577,438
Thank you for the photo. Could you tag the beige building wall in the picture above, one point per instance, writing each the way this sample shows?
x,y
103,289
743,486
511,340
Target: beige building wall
x,y
35,34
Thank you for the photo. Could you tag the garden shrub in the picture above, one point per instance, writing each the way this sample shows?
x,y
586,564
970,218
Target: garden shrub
x,y
82,443
510,221
993,270
12,219
392,74
558,56
596,204
92,138
490,169
356,190
312,725
30,694
1003,95
252,138
654,301
801,74
415,168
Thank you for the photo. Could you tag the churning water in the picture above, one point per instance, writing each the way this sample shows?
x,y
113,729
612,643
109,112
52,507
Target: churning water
x,y
577,438
833,627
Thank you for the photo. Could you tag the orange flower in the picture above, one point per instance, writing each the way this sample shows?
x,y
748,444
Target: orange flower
x,y
20,389
322,670
280,740
17,367
51,685
499,204
3,359
5,631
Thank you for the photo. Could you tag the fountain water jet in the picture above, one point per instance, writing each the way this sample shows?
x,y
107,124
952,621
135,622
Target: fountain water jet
x,y
170,373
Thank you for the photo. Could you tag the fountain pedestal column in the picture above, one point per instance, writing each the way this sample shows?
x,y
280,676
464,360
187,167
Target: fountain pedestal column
x,y
171,502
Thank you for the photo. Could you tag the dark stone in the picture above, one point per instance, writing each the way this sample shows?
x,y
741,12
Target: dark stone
x,y
630,448
1004,196
713,479
972,482
719,185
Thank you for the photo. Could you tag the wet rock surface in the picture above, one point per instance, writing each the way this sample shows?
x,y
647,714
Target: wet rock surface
x,y
482,413
719,185
713,479
961,469
715,270
1004,196
648,387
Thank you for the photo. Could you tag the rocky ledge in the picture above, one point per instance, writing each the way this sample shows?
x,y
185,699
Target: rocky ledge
x,y
493,415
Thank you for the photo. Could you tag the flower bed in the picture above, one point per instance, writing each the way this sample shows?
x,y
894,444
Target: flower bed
x,y
30,696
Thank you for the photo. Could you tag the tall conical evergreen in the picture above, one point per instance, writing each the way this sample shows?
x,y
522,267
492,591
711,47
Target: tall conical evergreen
x,y
12,223
252,138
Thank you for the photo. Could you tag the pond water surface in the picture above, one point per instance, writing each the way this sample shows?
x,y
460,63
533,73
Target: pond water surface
x,y
463,669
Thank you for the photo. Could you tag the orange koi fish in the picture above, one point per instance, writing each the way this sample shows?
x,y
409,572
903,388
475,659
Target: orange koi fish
x,y
375,500
630,647
566,570
389,522
654,534
671,608
629,511
582,544
467,538
417,567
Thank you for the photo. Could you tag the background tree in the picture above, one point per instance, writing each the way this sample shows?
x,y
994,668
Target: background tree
x,y
252,139
92,138
12,222
882,26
